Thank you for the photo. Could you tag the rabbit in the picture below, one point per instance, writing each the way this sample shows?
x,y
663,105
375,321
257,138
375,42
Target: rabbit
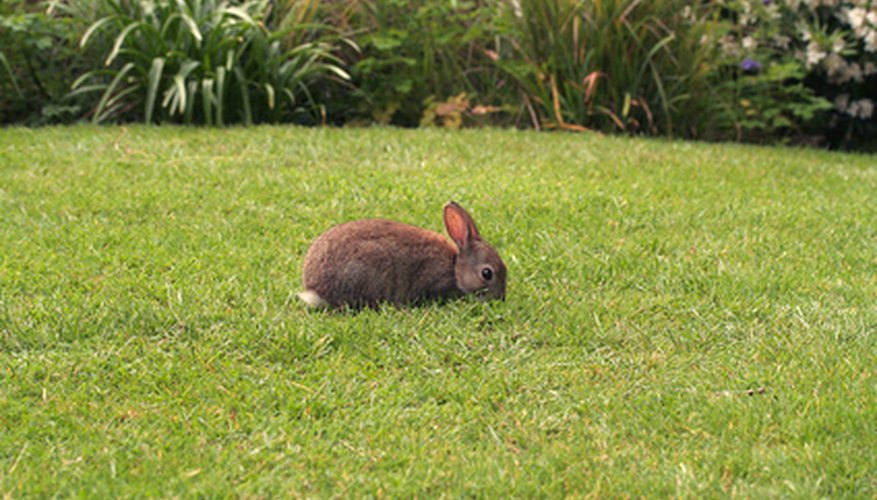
x,y
367,262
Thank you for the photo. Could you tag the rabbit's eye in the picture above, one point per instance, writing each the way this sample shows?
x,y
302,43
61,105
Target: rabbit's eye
x,y
487,273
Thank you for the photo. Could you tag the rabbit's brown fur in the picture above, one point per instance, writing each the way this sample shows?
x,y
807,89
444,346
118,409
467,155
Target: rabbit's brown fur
x,y
366,262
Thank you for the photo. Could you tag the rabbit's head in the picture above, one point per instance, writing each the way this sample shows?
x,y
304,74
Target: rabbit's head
x,y
478,268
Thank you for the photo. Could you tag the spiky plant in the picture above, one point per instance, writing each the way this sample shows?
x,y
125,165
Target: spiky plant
x,y
203,61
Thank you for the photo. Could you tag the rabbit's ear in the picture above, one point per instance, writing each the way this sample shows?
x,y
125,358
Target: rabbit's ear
x,y
460,225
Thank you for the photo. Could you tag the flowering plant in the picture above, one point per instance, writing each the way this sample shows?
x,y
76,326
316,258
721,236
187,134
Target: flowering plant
x,y
809,65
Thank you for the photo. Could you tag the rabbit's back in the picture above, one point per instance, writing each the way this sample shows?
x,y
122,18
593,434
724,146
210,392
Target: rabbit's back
x,y
366,262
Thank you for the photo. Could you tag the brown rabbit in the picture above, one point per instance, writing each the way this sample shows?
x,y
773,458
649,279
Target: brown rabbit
x,y
366,262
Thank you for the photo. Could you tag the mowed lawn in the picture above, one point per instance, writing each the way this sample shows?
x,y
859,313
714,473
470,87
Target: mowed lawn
x,y
682,319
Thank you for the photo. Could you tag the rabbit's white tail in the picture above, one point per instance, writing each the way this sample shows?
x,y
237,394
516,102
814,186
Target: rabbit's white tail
x,y
311,298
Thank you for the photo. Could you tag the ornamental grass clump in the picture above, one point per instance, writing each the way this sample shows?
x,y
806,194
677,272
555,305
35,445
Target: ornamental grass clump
x,y
614,65
206,62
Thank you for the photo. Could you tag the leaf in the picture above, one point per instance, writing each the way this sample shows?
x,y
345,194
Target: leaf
x,y
207,99
177,95
117,46
220,95
193,29
240,14
154,79
85,90
245,96
109,92
12,78
94,27
382,42
269,89
192,88
338,72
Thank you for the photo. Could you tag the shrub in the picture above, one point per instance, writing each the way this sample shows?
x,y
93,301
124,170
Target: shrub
x,y
38,54
728,69
206,61
415,54
804,67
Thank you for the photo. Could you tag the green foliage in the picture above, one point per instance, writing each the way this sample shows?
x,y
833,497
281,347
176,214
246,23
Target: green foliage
x,y
212,62
415,52
4,63
37,59
801,69
683,320
609,64
730,69
773,101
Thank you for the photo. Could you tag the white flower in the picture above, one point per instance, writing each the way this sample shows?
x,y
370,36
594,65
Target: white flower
x,y
749,43
842,102
729,45
871,41
853,72
862,108
872,17
853,109
870,68
856,18
782,41
815,54
805,32
841,71
866,108
834,65
838,45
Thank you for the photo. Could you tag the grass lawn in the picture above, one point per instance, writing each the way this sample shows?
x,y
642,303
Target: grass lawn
x,y
682,319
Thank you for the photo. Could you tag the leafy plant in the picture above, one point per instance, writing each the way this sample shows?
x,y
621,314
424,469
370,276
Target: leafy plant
x,y
415,53
803,69
205,61
771,101
608,64
38,53
4,63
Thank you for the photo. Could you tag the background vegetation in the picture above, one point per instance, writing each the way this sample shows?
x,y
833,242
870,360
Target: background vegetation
x,y
683,319
790,70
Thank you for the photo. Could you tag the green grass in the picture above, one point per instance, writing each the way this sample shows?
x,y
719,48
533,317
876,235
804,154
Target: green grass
x,y
683,319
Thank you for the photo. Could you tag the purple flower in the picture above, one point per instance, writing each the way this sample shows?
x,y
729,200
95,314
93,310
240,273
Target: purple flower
x,y
750,65
766,2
